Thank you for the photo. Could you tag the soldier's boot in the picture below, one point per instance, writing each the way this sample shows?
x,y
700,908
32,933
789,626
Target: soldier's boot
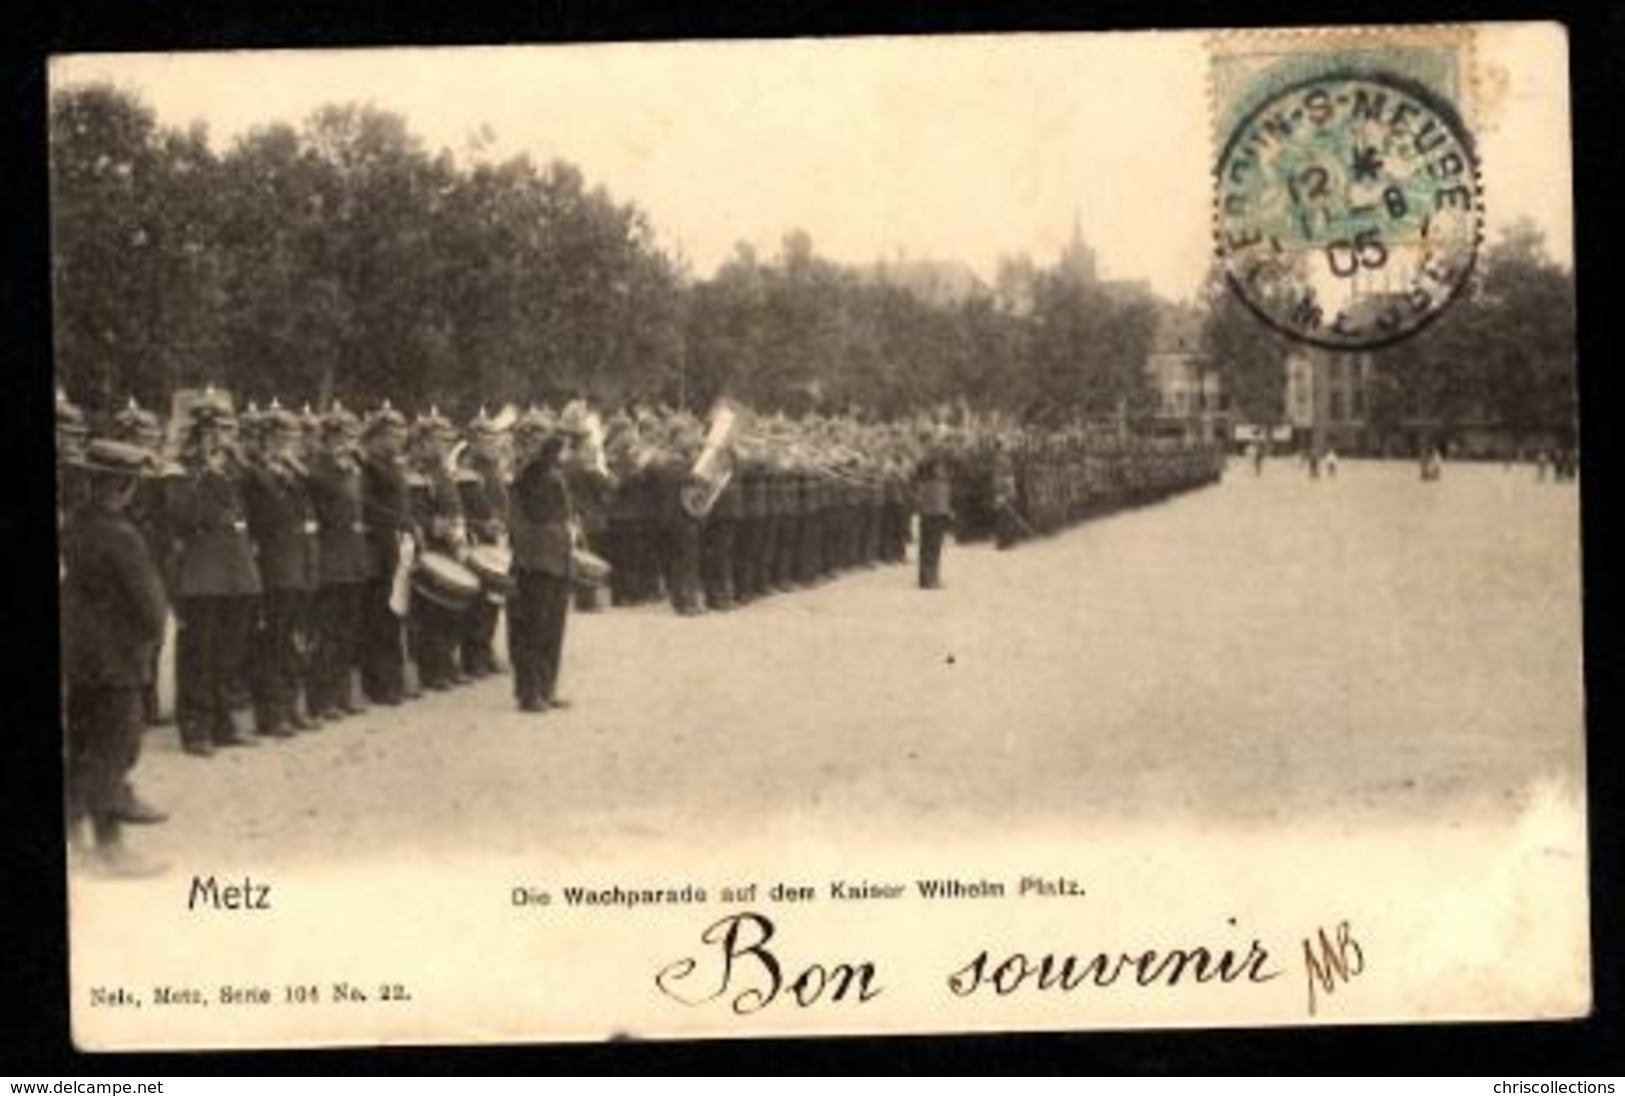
x,y
115,860
133,809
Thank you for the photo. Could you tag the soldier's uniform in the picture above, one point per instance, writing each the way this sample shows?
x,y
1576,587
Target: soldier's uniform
x,y
785,498
627,548
437,511
933,487
341,568
283,523
682,533
137,426
387,519
217,586
483,492
809,522
540,521
113,616
751,531
1007,528
718,532
592,493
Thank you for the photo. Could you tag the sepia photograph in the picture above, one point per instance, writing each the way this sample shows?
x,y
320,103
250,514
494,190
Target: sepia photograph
x,y
1014,532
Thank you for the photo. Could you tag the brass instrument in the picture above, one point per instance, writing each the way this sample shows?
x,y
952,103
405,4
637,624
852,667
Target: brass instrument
x,y
714,467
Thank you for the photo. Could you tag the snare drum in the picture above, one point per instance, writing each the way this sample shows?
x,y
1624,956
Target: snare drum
x,y
492,563
588,568
445,582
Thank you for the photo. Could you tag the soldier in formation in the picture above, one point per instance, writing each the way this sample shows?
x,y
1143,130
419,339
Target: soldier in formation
x,y
343,566
216,581
305,555
283,526
482,485
439,529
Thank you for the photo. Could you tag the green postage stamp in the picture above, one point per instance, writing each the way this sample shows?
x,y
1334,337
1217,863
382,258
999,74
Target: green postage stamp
x,y
1348,210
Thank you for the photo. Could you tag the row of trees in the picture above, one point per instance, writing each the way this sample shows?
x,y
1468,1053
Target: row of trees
x,y
341,258
338,258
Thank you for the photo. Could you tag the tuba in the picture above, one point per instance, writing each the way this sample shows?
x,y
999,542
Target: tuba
x,y
714,467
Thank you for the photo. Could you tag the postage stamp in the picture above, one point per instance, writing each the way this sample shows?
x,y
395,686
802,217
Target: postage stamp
x,y
1348,210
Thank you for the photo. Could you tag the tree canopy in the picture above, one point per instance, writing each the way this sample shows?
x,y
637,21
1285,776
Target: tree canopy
x,y
341,258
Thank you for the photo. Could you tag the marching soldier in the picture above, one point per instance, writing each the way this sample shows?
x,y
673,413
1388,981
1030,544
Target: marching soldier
x,y
341,566
282,521
217,583
540,521
113,617
391,545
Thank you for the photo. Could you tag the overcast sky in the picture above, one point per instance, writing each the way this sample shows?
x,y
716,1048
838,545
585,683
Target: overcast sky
x,y
949,148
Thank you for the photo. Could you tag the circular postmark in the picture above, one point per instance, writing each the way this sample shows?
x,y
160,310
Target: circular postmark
x,y
1347,209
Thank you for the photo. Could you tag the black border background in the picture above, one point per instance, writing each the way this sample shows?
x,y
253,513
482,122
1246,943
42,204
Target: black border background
x,y
33,949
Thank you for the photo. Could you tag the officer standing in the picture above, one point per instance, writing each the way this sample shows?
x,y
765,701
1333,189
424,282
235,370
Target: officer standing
x,y
113,616
540,522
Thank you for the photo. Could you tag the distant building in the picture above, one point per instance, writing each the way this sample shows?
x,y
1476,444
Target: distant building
x,y
939,284
1190,394
1077,263
1327,398
1015,290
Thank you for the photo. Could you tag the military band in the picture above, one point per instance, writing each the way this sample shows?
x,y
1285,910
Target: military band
x,y
318,563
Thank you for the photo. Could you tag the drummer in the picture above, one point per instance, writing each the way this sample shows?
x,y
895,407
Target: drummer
x,y
438,512
540,520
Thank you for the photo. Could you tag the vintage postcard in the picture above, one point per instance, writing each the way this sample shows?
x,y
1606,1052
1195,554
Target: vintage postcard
x,y
876,535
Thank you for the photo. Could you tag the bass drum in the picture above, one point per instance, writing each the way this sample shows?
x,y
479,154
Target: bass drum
x,y
588,569
445,582
493,565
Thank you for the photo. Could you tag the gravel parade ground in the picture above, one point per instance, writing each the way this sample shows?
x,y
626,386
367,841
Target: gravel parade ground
x,y
1269,651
